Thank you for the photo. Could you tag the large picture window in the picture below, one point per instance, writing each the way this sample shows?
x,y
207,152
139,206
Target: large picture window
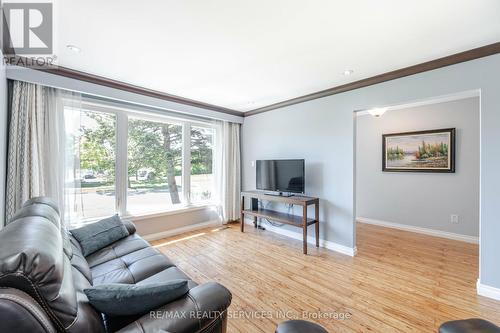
x,y
154,166
135,164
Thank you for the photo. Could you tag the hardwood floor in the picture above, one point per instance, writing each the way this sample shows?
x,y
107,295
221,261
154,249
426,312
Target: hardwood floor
x,y
398,282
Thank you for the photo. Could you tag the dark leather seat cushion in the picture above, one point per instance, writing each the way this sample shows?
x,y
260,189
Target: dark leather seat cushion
x,y
299,326
131,268
129,260
116,250
473,325
169,274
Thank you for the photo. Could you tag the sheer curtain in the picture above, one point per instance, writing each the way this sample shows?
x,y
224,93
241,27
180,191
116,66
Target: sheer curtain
x,y
72,136
36,162
228,166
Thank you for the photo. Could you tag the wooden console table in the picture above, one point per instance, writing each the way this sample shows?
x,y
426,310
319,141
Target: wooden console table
x,y
297,221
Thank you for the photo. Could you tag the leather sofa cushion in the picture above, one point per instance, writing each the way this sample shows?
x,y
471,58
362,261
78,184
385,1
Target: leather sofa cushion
x,y
44,201
32,260
88,319
46,208
168,274
39,210
133,260
116,250
130,268
78,260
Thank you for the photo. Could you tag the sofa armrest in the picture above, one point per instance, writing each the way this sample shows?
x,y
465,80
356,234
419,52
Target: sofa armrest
x,y
129,225
19,312
203,309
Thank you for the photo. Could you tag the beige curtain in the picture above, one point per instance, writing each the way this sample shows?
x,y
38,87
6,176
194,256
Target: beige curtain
x,y
36,145
229,171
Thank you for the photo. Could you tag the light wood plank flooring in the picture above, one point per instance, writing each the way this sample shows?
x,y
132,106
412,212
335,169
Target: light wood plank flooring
x,y
398,282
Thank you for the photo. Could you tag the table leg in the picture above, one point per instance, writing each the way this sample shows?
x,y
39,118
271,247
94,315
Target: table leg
x,y
316,225
242,217
304,228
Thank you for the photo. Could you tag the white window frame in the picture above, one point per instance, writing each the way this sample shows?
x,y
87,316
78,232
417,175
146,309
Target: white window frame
x,y
186,162
123,115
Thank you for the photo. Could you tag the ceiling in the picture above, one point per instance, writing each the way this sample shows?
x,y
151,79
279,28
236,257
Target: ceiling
x,y
244,55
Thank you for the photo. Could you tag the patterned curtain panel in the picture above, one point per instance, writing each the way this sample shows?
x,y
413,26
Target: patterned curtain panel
x,y
35,145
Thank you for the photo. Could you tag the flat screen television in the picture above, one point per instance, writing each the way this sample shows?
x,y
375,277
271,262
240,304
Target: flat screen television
x,y
281,175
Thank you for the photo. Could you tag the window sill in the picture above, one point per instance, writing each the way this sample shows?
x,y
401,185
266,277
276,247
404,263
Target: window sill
x,y
180,210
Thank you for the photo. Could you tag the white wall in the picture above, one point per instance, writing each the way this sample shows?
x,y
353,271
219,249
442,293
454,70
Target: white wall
x,y
423,200
322,131
3,139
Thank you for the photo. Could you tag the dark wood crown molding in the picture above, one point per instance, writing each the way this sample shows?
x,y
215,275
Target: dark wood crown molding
x,y
396,74
78,75
476,53
103,81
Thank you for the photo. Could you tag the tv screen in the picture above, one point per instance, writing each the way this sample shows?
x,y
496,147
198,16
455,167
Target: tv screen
x,y
280,175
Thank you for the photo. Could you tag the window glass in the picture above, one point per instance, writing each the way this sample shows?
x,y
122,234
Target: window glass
x,y
202,169
154,150
90,164
154,166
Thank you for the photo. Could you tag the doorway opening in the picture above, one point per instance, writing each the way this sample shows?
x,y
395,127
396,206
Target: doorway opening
x,y
435,212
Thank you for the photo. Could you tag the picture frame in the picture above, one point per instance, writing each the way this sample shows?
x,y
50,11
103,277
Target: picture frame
x,y
419,151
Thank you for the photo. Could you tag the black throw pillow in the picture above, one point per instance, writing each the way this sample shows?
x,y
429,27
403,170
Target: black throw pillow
x,y
95,236
118,299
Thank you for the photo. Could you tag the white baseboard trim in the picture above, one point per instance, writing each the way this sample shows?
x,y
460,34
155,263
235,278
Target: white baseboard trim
x,y
420,230
310,239
487,291
181,230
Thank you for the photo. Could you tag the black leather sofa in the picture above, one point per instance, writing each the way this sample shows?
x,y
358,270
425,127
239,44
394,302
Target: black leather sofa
x,y
43,274
473,325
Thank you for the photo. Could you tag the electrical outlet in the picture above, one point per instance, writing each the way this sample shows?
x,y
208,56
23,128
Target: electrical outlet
x,y
454,218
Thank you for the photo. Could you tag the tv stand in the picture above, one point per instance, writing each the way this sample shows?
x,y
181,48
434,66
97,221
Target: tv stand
x,y
280,194
294,220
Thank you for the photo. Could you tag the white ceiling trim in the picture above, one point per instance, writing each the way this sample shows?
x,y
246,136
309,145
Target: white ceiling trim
x,y
423,102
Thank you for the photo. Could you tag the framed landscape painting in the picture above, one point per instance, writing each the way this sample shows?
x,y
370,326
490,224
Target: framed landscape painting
x,y
422,151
